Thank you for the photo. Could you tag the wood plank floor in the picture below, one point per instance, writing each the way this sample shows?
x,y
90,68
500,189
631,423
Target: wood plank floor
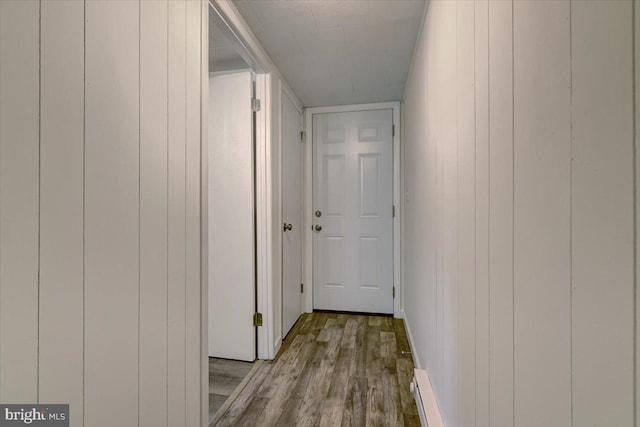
x,y
333,369
224,376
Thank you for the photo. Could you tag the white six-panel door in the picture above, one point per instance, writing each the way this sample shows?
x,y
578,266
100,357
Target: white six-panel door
x,y
291,214
353,218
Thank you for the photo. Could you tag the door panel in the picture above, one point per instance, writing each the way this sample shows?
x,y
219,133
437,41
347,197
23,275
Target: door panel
x,y
291,214
353,190
231,218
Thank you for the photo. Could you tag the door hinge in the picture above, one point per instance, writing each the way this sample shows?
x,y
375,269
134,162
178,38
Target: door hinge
x,y
393,211
394,291
303,136
257,319
301,288
393,130
255,104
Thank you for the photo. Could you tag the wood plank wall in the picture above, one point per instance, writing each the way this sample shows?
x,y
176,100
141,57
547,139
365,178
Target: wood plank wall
x,y
519,210
100,296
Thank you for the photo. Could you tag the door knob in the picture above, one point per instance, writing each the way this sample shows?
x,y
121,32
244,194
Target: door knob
x,y
288,227
318,227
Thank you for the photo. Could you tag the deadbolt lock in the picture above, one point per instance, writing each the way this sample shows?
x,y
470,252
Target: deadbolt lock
x,y
318,214
288,227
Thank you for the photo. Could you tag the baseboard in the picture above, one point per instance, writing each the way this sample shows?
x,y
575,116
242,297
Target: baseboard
x,y
422,388
412,343
276,348
428,408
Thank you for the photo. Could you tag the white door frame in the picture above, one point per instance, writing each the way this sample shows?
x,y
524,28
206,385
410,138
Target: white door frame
x,y
285,91
227,13
307,268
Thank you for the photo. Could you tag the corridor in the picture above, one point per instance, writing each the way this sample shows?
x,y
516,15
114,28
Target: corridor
x,y
333,369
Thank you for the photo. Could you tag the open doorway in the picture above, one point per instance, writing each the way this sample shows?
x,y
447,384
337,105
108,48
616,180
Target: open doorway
x,y
233,237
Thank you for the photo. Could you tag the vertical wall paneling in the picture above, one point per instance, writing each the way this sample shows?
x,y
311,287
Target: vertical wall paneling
x,y
482,213
153,213
542,213
501,213
177,219
419,262
19,200
100,160
449,144
419,201
1,138
466,208
193,90
541,155
61,205
602,212
636,146
111,212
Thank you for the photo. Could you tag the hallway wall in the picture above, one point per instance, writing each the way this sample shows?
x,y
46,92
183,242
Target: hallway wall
x,y
100,124
518,211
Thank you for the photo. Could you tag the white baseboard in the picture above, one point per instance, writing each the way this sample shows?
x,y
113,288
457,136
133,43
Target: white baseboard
x,y
412,343
428,407
276,348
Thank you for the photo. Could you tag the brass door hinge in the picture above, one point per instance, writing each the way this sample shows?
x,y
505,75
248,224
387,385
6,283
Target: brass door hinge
x,y
257,319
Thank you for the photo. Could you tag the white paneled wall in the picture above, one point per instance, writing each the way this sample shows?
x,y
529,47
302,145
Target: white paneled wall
x,y
100,130
519,269
19,199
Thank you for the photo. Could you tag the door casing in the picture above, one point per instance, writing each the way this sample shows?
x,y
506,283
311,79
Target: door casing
x,y
287,97
308,198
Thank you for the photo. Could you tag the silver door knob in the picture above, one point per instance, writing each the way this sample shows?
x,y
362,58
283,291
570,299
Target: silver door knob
x,y
318,227
288,227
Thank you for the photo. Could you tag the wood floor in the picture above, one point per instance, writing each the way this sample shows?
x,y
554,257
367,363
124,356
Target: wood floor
x,y
333,370
224,376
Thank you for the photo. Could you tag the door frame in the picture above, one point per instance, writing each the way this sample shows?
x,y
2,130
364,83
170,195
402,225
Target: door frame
x,y
228,15
285,91
307,268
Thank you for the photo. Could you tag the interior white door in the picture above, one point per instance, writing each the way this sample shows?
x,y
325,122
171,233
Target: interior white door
x,y
353,202
291,214
231,218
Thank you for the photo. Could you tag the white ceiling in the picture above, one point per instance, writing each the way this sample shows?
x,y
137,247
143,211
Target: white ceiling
x,y
223,54
336,52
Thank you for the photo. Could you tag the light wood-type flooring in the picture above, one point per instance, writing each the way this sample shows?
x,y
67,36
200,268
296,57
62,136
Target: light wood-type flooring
x,y
333,370
224,377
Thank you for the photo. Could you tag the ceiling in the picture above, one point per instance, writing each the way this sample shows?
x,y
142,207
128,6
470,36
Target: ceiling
x,y
337,52
223,53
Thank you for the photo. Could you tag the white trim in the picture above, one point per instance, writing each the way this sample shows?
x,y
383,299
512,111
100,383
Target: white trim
x,y
257,59
307,212
292,97
204,214
412,344
226,72
397,197
255,55
308,197
426,399
263,234
277,92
